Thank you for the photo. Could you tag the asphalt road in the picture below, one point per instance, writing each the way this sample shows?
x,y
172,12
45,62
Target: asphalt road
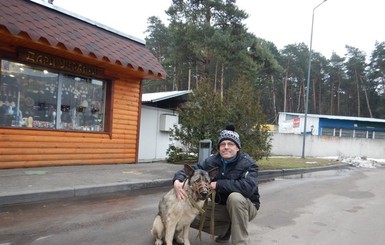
x,y
327,207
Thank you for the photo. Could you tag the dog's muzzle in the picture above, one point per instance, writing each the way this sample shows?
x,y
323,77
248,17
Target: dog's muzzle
x,y
203,189
204,193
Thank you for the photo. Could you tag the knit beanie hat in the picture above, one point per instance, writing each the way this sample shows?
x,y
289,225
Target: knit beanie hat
x,y
229,134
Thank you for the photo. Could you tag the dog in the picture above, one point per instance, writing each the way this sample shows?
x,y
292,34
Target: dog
x,y
175,216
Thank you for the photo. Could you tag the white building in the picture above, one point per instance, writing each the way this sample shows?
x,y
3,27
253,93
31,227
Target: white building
x,y
330,125
158,117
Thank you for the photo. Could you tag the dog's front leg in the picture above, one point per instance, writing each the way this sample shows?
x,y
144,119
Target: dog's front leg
x,y
170,231
186,231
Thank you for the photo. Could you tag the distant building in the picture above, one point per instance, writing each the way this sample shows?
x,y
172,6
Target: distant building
x,y
330,125
158,118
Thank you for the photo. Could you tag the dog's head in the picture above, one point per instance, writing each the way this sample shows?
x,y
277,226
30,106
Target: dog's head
x,y
199,181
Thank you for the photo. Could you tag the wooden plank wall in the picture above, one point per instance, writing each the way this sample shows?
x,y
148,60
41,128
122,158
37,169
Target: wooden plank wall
x,y
33,148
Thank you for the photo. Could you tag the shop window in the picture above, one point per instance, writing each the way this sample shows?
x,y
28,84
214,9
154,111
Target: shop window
x,y
36,98
327,131
379,135
360,134
347,133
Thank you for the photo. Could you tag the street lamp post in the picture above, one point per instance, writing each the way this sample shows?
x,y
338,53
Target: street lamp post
x,y
308,82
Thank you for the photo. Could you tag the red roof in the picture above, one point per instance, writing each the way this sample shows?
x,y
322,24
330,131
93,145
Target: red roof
x,y
39,23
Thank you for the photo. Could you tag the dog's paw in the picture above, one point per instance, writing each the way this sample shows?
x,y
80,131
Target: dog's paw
x,y
179,240
158,242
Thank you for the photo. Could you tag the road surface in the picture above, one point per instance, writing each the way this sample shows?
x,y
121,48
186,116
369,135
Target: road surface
x,y
328,207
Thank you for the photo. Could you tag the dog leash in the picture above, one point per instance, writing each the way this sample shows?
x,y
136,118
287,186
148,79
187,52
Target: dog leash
x,y
203,217
195,205
212,216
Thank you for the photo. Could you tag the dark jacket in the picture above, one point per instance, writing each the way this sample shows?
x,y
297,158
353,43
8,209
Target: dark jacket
x,y
240,175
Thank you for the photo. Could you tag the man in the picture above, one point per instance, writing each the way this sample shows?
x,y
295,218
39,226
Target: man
x,y
236,186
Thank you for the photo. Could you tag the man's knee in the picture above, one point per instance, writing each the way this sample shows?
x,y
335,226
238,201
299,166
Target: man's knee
x,y
236,199
240,204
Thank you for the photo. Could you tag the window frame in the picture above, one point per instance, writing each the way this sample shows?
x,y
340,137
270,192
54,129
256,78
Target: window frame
x,y
106,97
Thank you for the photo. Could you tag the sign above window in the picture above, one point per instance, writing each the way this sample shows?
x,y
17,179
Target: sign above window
x,y
59,63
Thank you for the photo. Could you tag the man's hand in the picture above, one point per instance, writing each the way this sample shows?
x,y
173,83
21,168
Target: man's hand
x,y
179,191
213,185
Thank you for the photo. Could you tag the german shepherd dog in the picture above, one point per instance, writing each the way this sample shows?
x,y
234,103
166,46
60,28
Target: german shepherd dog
x,y
175,216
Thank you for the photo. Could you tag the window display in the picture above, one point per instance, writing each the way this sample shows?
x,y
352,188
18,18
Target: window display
x,y
37,98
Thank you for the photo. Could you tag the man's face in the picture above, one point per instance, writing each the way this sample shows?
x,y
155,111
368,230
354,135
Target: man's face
x,y
228,149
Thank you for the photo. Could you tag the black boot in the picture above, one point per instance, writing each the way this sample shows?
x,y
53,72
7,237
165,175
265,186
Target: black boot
x,y
225,237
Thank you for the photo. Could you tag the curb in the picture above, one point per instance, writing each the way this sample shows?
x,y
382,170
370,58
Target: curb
x,y
45,195
267,175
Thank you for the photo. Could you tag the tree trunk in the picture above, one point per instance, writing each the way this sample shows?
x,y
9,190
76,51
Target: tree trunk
x,y
285,90
274,100
358,95
174,86
314,97
299,98
367,103
338,96
367,100
222,77
320,108
215,77
331,108
196,76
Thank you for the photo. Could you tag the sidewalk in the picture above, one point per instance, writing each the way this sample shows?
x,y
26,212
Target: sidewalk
x,y
37,184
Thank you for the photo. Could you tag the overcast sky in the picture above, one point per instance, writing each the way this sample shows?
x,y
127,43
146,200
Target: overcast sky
x,y
337,23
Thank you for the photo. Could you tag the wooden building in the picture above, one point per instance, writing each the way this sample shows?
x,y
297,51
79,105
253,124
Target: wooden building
x,y
70,88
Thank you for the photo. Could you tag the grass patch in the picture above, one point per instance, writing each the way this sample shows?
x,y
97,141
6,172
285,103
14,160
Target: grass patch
x,y
284,162
293,162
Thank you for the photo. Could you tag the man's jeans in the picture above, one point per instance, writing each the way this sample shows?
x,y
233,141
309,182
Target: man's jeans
x,y
238,212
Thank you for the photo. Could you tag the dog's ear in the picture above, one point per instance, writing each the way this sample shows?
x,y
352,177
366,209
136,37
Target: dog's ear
x,y
189,171
213,172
